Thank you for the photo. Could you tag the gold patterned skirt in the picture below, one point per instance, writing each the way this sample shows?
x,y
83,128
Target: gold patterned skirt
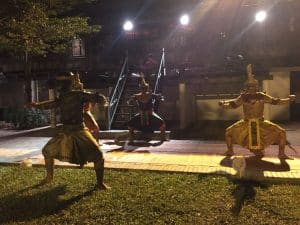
x,y
73,144
255,134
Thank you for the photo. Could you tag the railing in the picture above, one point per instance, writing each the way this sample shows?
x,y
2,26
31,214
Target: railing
x,y
161,73
115,98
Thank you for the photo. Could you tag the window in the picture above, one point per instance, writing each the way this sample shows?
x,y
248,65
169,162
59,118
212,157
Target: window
x,y
78,48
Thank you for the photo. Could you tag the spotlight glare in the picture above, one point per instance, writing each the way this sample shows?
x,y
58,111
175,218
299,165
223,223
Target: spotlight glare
x,y
184,20
260,16
128,25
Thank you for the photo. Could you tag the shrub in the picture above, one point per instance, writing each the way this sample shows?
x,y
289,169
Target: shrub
x,y
26,118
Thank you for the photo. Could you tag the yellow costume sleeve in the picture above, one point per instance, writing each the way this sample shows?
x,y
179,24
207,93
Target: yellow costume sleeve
x,y
275,101
97,98
233,103
50,104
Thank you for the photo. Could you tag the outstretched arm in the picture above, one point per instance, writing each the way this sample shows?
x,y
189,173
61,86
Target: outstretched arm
x,y
131,99
44,105
232,103
158,97
279,101
97,98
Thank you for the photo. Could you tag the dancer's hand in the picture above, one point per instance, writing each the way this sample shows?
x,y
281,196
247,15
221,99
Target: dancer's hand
x,y
221,103
130,100
292,98
30,104
161,98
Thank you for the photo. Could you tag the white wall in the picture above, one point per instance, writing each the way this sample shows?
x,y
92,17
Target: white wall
x,y
278,87
209,109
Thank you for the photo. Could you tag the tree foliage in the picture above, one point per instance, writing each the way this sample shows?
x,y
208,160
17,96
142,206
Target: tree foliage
x,y
36,31
38,27
9,8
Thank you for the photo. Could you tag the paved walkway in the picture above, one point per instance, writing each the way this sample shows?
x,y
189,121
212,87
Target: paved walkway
x,y
176,155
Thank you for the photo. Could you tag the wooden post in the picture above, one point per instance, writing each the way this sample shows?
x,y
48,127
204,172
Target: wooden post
x,y
182,105
52,111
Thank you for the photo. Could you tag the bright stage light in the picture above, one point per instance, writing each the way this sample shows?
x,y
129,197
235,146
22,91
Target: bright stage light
x,y
260,16
184,20
128,25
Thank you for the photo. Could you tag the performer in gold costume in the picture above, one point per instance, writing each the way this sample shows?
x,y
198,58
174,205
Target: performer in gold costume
x,y
88,118
90,122
253,131
73,143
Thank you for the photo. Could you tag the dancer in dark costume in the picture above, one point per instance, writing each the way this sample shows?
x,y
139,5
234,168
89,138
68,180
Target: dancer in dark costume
x,y
73,143
146,120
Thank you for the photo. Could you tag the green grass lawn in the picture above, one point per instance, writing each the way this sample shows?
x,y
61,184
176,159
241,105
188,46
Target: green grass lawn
x,y
142,197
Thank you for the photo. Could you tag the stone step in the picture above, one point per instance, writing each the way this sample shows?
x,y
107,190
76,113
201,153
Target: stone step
x,y
50,132
123,135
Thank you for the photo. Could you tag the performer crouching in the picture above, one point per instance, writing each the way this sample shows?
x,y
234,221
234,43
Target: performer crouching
x,y
253,131
146,120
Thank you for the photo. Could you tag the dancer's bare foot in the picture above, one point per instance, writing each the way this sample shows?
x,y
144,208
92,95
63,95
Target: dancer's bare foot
x,y
229,153
163,139
284,156
46,180
130,142
103,187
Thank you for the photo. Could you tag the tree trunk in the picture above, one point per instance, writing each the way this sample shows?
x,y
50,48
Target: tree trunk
x,y
28,94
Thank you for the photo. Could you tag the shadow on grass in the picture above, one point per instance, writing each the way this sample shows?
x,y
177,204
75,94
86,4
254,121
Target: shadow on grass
x,y
244,191
253,176
25,206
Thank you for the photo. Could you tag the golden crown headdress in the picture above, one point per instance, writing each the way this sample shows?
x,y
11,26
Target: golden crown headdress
x,y
76,83
74,78
250,76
